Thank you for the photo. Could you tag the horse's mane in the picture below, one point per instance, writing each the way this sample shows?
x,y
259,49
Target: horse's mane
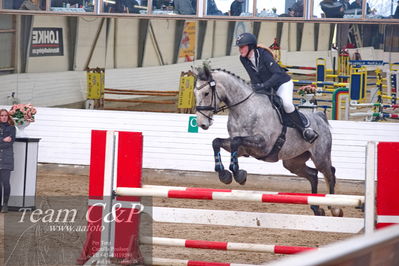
x,y
231,74
202,75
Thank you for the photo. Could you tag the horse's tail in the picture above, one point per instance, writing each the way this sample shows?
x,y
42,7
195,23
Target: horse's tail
x,y
323,116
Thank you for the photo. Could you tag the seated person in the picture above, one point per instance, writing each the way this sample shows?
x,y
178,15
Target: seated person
x,y
16,4
63,3
345,4
357,4
122,6
32,5
76,3
108,7
332,8
163,4
24,4
212,9
131,6
291,13
297,8
396,15
184,7
236,7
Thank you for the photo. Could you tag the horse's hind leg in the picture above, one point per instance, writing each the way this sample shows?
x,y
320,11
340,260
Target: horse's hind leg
x,y
224,175
298,166
325,167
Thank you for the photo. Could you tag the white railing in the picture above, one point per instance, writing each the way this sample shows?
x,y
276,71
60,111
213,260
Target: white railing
x,y
351,250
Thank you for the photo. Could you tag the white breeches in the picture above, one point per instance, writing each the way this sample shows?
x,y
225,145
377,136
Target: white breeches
x,y
285,91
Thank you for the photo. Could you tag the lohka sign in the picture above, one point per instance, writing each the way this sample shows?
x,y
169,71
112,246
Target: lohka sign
x,y
47,42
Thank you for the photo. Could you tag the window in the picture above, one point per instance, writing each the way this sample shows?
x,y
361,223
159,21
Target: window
x,y
382,9
80,6
125,6
25,4
276,8
240,8
185,7
7,40
167,7
338,9
217,7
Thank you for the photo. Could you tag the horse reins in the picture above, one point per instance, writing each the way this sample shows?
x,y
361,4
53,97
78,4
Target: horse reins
x,y
212,106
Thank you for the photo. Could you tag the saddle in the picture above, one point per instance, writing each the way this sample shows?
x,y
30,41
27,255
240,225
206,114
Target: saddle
x,y
277,104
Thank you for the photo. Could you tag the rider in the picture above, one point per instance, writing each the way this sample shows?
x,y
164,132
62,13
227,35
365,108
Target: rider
x,y
266,74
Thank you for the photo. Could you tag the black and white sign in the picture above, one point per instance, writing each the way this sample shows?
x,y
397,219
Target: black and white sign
x,y
47,42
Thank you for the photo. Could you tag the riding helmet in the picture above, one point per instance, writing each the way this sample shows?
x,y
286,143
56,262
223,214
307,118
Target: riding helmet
x,y
247,38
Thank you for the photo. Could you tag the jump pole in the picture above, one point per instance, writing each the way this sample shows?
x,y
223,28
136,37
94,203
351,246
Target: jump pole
x,y
231,196
217,245
251,191
320,84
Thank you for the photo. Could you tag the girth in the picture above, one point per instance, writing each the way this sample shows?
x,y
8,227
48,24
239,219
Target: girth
x,y
277,104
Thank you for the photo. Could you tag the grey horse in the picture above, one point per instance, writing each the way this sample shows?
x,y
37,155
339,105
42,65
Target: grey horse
x,y
254,127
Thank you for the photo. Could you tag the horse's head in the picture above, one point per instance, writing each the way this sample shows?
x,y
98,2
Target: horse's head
x,y
207,99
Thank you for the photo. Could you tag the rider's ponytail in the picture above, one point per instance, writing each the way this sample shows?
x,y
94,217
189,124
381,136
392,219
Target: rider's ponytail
x,y
270,51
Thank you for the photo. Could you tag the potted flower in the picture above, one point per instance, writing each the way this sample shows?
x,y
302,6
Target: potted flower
x,y
23,114
308,89
308,95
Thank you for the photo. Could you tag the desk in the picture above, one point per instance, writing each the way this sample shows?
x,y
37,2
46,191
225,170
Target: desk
x,y
267,14
68,9
23,178
353,16
163,12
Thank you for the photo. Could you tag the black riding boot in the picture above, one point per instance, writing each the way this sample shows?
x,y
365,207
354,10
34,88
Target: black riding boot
x,y
308,133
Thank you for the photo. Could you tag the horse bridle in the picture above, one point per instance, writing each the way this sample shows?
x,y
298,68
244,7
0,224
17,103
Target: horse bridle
x,y
213,107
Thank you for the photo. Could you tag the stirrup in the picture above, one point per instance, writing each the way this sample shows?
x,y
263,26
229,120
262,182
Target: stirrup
x,y
310,135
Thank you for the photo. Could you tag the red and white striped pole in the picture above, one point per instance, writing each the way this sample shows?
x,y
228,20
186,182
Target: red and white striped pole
x,y
236,191
257,197
176,262
218,245
116,160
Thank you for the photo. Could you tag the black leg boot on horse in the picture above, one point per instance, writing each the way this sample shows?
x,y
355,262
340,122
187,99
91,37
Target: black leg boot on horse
x,y
307,133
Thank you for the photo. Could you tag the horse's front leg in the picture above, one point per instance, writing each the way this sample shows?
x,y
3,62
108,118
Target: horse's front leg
x,y
257,143
224,175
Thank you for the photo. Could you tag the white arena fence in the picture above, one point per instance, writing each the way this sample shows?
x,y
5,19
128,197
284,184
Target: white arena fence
x,y
65,139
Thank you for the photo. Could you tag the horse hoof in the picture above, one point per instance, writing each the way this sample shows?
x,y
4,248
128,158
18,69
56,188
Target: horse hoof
x,y
225,177
317,210
241,177
233,167
321,212
337,212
